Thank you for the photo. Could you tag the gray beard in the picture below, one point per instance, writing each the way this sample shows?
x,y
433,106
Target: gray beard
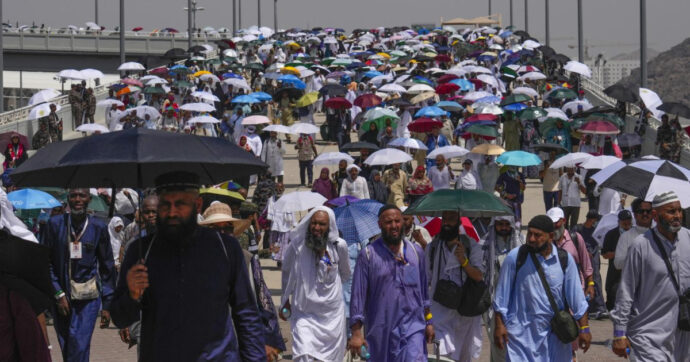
x,y
667,226
558,233
316,243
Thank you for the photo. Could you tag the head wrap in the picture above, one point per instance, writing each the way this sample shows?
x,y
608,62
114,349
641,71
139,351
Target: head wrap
x,y
299,233
664,198
541,222
11,223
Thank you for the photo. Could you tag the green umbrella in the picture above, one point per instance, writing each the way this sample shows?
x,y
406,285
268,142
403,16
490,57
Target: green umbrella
x,y
214,61
183,84
397,53
549,123
254,66
342,61
154,90
487,131
515,98
97,204
563,93
507,72
470,203
327,61
532,113
379,116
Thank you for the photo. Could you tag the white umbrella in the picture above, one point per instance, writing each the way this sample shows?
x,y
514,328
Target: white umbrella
x,y
487,108
237,83
149,77
332,158
90,73
156,81
476,69
570,160
532,76
254,120
43,96
387,156
299,201
448,152
109,102
554,113
473,96
526,90
599,162
277,128
606,224
92,26
206,77
651,100
206,96
42,110
92,127
573,105
306,128
408,143
488,79
419,88
204,119
70,74
579,68
144,110
377,80
198,107
131,66
392,88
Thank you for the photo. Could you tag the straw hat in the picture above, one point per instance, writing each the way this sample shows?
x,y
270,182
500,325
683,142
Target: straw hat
x,y
218,212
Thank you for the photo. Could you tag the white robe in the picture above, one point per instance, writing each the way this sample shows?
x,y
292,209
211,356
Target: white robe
x,y
255,143
357,188
273,156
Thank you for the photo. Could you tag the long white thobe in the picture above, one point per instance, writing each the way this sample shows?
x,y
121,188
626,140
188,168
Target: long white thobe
x,y
255,143
273,156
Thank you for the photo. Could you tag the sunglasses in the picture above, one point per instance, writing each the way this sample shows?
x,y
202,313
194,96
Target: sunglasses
x,y
643,211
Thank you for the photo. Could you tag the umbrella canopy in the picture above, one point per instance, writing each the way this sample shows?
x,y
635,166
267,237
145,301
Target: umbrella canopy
x,y
29,199
131,66
422,97
306,128
470,203
532,113
245,99
419,88
518,158
340,201
6,138
485,131
407,143
563,93
203,119
599,127
356,146
134,158
599,162
450,106
307,99
367,101
570,160
515,98
431,111
254,120
42,110
549,147
579,68
338,103
678,109
387,156
424,124
43,96
488,149
277,128
447,88
358,221
646,178
448,152
299,201
197,107
526,90
332,158
622,93
92,128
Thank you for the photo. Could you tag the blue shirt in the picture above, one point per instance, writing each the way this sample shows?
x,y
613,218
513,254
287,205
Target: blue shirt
x,y
524,306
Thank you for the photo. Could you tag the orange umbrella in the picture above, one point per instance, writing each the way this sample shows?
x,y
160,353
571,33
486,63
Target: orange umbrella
x,y
128,89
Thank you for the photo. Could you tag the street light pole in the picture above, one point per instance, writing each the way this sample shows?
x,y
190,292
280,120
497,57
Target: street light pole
x,y
489,7
511,12
643,43
234,17
527,16
546,20
275,15
96,17
580,48
190,28
258,13
122,31
239,13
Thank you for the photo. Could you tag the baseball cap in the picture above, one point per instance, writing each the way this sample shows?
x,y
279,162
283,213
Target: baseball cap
x,y
624,215
555,214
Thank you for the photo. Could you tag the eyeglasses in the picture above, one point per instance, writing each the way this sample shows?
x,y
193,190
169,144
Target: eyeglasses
x,y
643,211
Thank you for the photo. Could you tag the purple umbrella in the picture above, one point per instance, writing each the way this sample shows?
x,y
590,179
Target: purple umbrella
x,y
340,201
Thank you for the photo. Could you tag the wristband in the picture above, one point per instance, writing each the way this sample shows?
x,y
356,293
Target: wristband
x,y
617,338
584,327
60,295
58,292
584,330
428,316
590,284
467,261
617,334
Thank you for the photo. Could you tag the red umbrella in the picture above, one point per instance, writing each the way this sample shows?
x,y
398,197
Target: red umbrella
x,y
447,78
338,103
159,71
6,138
138,28
481,117
131,81
447,88
599,127
424,125
443,58
478,84
368,100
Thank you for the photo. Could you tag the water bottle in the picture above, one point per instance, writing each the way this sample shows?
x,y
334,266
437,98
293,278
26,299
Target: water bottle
x,y
364,353
286,313
609,345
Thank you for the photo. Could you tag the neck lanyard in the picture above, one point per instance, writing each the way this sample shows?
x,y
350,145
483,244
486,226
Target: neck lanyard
x,y
76,238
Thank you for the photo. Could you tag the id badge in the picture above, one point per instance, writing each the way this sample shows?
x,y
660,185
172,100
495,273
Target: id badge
x,y
75,250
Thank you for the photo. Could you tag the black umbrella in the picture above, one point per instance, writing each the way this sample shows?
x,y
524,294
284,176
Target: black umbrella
x,y
290,91
176,53
675,108
547,51
622,93
23,262
196,49
333,90
560,58
593,110
134,158
548,147
401,102
522,33
356,146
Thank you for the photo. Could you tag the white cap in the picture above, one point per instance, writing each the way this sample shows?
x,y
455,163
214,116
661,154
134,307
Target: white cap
x,y
555,213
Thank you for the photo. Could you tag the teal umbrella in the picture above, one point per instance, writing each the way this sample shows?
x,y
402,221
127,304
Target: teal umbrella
x,y
518,158
471,203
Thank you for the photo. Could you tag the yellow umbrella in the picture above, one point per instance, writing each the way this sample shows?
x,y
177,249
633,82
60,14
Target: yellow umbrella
x,y
290,70
307,99
488,149
292,45
422,97
201,72
385,55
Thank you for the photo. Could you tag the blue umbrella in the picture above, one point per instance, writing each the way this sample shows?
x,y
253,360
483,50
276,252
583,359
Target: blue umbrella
x,y
292,80
32,199
518,158
372,74
273,75
450,106
231,75
464,84
244,99
262,96
515,107
489,99
420,79
431,112
287,78
358,221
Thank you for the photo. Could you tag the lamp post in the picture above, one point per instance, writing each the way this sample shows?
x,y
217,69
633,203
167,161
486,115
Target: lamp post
x,y
122,31
191,10
258,13
580,48
643,43
489,7
511,12
275,15
527,16
546,21
95,20
234,17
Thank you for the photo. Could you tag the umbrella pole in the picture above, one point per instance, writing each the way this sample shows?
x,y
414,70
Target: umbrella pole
x,y
111,209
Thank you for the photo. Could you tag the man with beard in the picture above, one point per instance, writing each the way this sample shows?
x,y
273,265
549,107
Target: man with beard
x,y
646,316
81,255
523,310
454,257
501,238
188,284
315,266
390,296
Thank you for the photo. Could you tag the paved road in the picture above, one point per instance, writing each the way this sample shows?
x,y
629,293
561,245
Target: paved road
x,y
106,344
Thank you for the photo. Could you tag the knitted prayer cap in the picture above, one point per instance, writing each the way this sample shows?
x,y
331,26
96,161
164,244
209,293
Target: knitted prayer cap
x,y
177,181
664,198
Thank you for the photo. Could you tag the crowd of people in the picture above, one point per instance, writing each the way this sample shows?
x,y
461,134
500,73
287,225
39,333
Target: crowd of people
x,y
165,269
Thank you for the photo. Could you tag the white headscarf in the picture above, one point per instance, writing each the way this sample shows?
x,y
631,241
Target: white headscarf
x,y
115,237
9,221
299,233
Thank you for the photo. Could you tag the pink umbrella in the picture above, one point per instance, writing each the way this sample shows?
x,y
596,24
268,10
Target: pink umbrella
x,y
599,127
131,81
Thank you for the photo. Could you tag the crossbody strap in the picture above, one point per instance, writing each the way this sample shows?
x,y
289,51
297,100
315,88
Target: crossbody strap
x,y
540,271
664,256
